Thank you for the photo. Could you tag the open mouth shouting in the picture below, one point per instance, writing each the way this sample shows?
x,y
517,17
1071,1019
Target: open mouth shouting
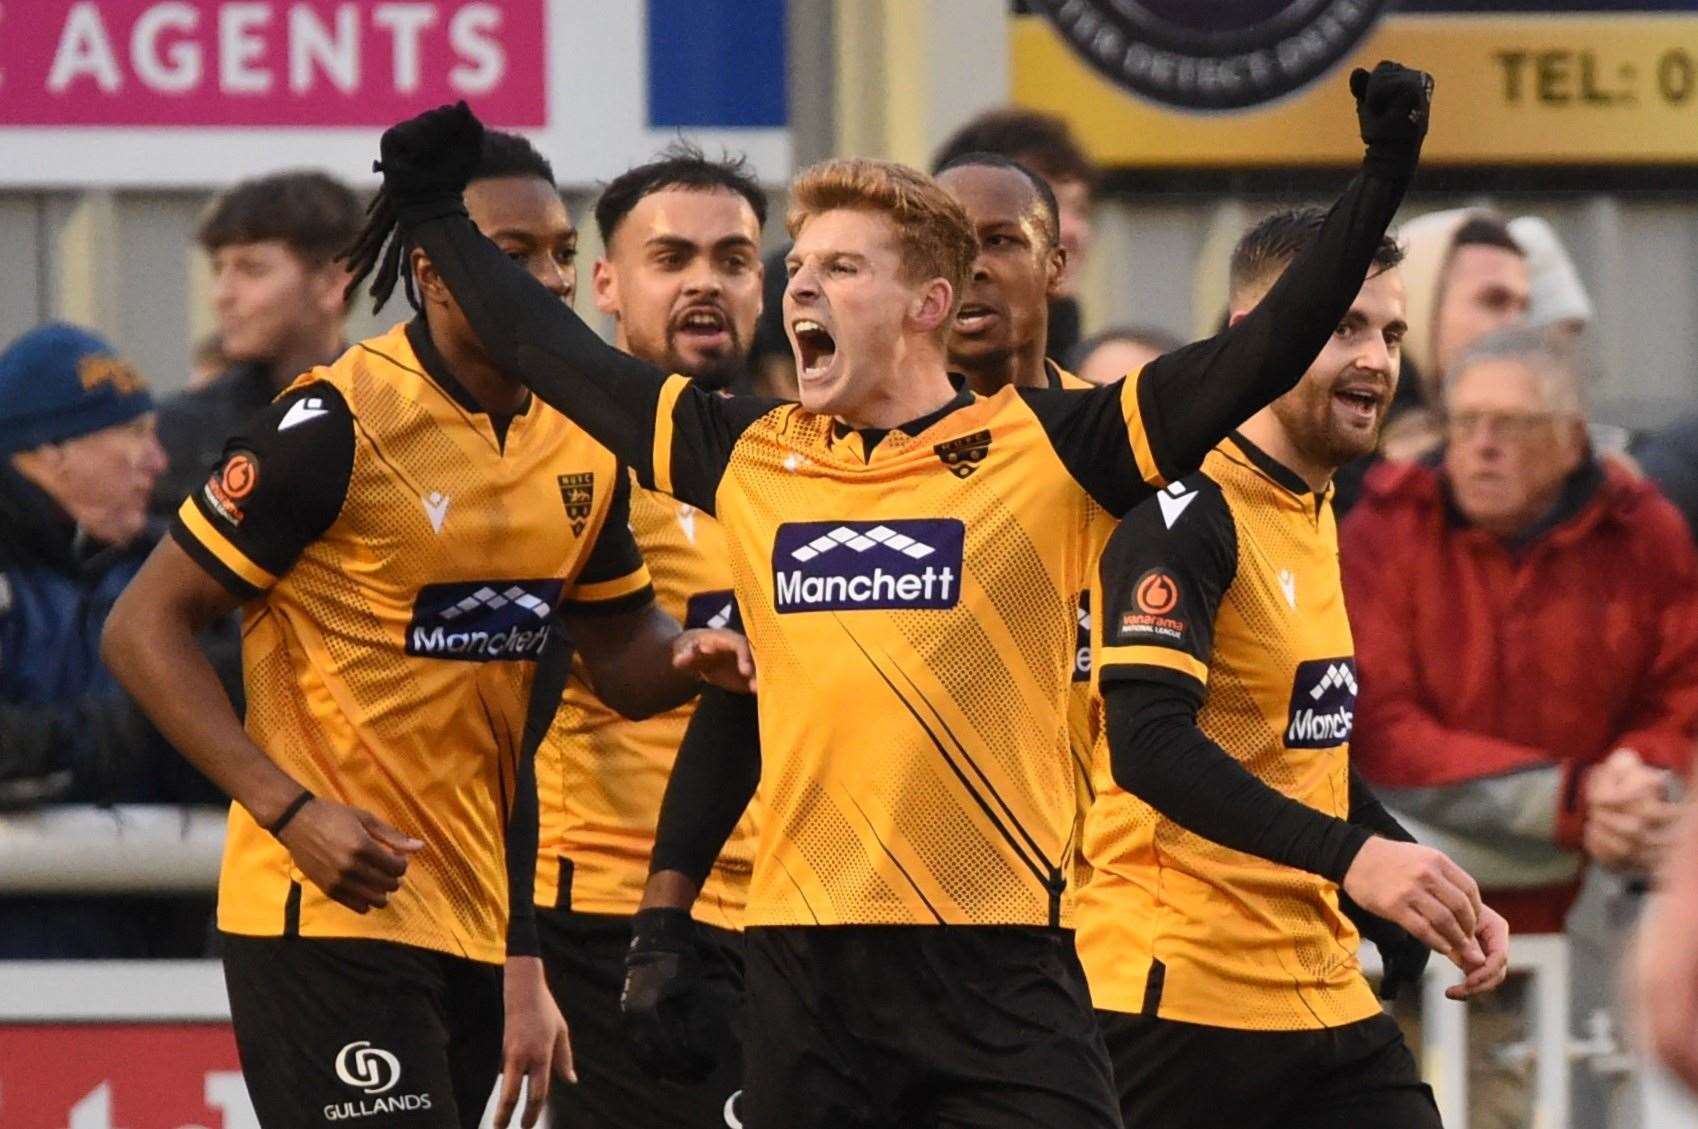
x,y
705,327
815,348
1359,405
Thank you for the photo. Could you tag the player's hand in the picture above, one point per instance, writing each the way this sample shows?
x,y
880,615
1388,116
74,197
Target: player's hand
x,y
431,156
1393,104
675,1017
1493,936
349,853
1421,890
716,656
1403,958
535,1046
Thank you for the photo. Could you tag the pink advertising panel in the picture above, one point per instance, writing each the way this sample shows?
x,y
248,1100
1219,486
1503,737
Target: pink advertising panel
x,y
309,63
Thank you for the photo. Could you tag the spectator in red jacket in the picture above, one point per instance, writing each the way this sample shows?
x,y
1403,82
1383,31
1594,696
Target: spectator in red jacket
x,y
1526,622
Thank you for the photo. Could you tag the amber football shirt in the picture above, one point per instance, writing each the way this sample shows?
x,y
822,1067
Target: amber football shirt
x,y
600,777
1226,586
911,597
399,553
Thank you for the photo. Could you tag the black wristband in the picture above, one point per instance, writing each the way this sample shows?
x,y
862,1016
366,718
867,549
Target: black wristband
x,y
294,809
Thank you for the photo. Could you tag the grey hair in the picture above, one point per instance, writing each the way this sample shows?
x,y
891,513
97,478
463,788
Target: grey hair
x,y
1560,367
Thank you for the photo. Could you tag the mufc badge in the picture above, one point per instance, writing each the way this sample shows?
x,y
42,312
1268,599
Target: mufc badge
x,y
577,492
1213,54
962,456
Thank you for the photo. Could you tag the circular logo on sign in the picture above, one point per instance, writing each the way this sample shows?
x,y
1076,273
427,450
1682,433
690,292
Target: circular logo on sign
x,y
1157,594
367,1068
1213,54
240,476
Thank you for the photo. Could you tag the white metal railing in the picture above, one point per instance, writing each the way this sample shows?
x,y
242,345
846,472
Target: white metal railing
x,y
89,850
74,849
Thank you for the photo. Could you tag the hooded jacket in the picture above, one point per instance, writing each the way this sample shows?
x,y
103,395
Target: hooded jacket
x,y
1494,674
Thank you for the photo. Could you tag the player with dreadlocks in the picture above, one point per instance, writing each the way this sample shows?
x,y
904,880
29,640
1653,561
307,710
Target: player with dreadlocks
x,y
407,531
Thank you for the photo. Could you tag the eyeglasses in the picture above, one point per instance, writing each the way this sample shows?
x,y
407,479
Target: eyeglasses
x,y
1516,427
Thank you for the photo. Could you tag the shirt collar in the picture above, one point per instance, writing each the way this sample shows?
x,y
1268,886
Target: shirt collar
x,y
1272,468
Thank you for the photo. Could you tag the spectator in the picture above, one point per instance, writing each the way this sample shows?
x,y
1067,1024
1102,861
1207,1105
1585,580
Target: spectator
x,y
1526,619
1670,459
77,460
1557,299
1105,357
209,362
277,292
1526,625
1045,145
1466,277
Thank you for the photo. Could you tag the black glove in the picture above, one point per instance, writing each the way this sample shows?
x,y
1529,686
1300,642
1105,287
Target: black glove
x,y
676,1016
1392,105
1403,958
428,159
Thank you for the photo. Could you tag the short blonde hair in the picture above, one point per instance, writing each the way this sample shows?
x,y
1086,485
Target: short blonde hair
x,y
932,229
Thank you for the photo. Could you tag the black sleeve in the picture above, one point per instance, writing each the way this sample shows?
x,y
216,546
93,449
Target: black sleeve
x,y
1366,811
714,778
1163,575
554,667
676,436
615,578
280,485
1121,441
1158,754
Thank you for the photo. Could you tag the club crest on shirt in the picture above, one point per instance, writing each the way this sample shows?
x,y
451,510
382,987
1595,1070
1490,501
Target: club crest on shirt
x,y
577,492
962,456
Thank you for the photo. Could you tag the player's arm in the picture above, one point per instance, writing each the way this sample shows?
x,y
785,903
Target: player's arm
x,y
280,486
1164,574
676,436
1171,413
713,779
637,658
535,1043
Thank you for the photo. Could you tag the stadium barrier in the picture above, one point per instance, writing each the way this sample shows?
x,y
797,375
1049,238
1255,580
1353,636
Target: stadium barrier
x,y
80,1039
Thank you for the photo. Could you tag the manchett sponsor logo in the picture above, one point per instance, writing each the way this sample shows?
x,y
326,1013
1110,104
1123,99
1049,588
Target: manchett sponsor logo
x,y
1323,704
867,566
482,621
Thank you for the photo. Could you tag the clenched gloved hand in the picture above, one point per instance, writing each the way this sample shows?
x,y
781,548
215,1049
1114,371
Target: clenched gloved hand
x,y
676,1015
1403,958
1393,103
428,159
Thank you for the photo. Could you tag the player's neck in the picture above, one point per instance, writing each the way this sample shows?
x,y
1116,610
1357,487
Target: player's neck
x,y
1265,431
913,387
494,391
1022,367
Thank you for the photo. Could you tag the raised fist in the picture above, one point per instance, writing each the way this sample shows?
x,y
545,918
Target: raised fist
x,y
1393,103
432,155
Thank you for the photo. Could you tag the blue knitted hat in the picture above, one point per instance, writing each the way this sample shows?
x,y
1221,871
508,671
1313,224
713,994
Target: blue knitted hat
x,y
58,382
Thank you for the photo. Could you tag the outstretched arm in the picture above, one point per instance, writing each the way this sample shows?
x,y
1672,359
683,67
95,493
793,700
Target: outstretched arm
x,y
677,437
1181,404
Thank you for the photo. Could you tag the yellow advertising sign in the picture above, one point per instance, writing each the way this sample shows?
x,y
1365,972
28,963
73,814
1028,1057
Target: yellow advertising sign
x,y
1550,89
